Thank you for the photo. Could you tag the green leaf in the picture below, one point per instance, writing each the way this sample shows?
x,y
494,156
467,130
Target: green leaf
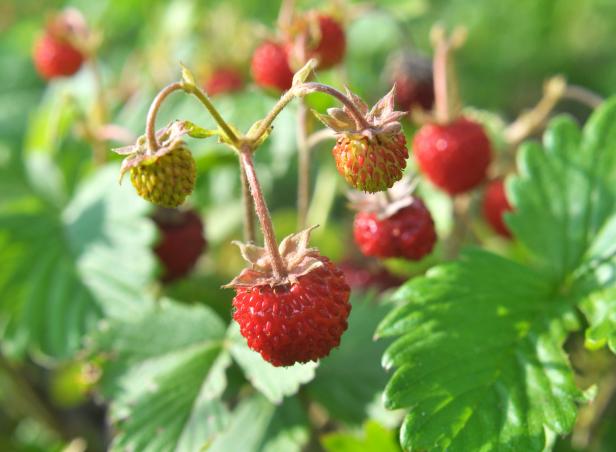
x,y
349,380
165,375
566,193
600,310
258,426
64,268
374,438
275,383
479,358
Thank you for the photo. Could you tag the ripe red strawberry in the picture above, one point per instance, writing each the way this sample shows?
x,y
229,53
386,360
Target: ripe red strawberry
x,y
224,80
412,76
299,318
495,205
331,45
317,36
409,233
270,68
371,158
362,277
398,225
454,156
181,241
55,57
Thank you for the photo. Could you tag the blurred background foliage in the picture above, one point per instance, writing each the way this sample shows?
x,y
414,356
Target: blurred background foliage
x,y
68,232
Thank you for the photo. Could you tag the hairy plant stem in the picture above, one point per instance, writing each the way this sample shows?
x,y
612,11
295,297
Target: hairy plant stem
x,y
446,97
583,96
303,179
205,100
358,117
278,268
529,121
302,90
190,89
250,233
150,125
319,136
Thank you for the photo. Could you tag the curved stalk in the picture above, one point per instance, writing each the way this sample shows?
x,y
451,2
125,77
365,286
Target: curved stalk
x,y
301,90
320,136
190,89
358,117
150,127
271,116
278,268
583,96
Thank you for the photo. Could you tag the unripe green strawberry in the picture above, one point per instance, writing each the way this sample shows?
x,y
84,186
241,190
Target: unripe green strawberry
x,y
370,154
165,175
166,181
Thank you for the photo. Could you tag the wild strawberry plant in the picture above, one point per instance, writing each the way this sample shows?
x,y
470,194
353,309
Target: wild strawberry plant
x,y
475,343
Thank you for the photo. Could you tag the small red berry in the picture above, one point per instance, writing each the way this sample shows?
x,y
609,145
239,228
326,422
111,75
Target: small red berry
x,y
54,57
370,154
270,68
295,322
408,233
495,205
371,165
331,46
181,242
454,156
224,80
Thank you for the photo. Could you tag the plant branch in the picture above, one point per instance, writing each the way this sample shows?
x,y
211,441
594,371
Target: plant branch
x,y
528,122
303,179
319,136
263,214
446,98
150,128
265,124
302,90
205,100
310,87
583,96
250,234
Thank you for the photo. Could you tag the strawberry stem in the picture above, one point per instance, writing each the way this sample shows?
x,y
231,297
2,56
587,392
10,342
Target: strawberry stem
x,y
250,234
301,90
303,179
150,125
263,214
265,124
446,98
205,100
190,89
358,117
